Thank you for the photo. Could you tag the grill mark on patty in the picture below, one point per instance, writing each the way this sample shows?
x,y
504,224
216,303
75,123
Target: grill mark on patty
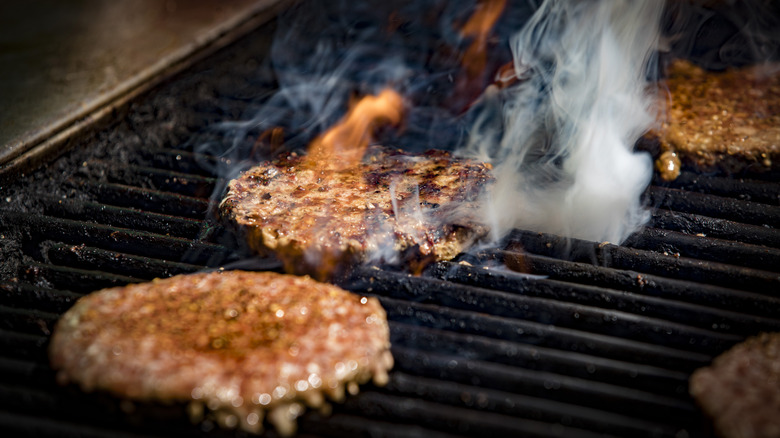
x,y
393,203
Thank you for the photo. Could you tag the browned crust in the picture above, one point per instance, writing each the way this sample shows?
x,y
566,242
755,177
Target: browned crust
x,y
423,206
722,121
740,391
238,342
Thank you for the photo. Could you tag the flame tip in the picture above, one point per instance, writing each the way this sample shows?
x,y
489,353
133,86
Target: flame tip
x,y
344,144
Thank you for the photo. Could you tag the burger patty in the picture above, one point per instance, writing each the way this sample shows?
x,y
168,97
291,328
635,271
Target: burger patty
x,y
393,203
240,343
727,121
740,391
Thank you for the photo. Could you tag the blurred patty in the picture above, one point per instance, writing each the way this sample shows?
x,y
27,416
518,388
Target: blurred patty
x,y
240,343
740,391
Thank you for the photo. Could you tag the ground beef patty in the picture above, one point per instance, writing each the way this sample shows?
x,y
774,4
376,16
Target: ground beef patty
x,y
241,343
420,207
741,389
727,121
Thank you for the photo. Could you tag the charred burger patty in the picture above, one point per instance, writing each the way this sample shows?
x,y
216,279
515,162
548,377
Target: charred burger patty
x,y
240,343
391,203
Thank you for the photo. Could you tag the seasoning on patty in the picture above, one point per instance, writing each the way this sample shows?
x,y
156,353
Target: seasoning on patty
x,y
390,205
242,344
727,121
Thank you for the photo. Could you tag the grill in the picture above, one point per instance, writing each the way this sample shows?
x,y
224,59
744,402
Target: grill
x,y
599,341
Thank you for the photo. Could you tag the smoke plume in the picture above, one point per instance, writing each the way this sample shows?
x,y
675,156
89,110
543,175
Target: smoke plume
x,y
561,139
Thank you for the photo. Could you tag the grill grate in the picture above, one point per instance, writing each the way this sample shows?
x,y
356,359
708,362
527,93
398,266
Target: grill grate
x,y
601,344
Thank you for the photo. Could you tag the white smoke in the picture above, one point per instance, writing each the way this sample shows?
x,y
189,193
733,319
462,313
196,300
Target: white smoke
x,y
562,143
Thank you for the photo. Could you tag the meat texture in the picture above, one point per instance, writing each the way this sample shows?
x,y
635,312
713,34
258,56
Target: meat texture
x,y
392,206
740,391
720,121
240,343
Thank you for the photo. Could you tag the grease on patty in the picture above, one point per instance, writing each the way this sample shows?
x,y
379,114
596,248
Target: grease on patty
x,y
242,344
391,205
726,120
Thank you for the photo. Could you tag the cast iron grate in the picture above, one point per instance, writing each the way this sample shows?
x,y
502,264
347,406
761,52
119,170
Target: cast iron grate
x,y
600,341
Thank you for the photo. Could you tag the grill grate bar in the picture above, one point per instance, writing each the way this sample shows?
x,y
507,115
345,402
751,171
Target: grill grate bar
x,y
185,161
58,277
187,184
744,189
747,212
30,373
534,333
713,227
693,314
84,257
27,321
122,217
565,389
521,406
340,424
90,258
664,265
41,228
75,411
457,420
23,295
23,345
535,358
717,250
148,200
563,314
19,425
632,281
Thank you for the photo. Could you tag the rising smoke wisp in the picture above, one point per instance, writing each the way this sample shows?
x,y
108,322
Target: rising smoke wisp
x,y
561,140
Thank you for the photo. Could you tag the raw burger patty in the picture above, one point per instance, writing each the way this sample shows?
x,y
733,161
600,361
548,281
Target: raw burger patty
x,y
240,343
740,391
392,203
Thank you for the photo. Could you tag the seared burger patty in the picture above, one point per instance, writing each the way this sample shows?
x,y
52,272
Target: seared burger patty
x,y
740,391
240,343
726,121
315,217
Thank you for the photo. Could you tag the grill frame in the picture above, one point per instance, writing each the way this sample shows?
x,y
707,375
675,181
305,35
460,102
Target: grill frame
x,y
479,351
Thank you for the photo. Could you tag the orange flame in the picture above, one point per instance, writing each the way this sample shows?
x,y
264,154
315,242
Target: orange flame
x,y
269,140
344,144
478,27
506,75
